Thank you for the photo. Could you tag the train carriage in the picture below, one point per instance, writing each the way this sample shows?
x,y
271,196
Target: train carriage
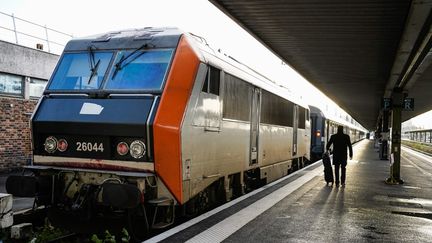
x,y
137,123
324,125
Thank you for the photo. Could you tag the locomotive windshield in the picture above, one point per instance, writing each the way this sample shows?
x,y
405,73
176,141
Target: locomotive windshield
x,y
131,70
139,70
81,71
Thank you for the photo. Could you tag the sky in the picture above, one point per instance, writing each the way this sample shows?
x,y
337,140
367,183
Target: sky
x,y
89,17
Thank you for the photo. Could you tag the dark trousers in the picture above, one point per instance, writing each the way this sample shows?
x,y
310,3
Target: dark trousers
x,y
343,169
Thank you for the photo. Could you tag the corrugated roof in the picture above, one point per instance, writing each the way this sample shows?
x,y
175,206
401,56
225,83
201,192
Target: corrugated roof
x,y
345,48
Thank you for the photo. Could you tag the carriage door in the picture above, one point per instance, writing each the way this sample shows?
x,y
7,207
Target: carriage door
x,y
295,128
255,111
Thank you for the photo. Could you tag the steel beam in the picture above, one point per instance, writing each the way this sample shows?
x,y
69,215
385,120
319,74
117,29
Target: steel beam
x,y
396,131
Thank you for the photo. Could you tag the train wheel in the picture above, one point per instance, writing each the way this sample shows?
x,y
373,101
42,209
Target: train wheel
x,y
301,163
210,197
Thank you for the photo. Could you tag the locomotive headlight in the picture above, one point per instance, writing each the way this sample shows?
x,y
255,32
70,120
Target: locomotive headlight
x,y
137,149
50,144
122,148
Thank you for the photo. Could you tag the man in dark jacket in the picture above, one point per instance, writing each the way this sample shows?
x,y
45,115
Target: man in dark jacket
x,y
340,143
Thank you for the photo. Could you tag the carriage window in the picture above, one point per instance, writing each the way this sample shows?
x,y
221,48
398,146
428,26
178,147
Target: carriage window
x,y
212,81
276,110
81,71
237,98
301,118
141,70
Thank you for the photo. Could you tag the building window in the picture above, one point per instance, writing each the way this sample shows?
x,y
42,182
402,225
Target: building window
x,y
11,84
36,87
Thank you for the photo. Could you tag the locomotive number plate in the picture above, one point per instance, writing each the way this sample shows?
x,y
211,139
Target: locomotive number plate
x,y
89,147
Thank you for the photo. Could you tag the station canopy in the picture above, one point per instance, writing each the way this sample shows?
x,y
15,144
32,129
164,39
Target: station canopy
x,y
356,52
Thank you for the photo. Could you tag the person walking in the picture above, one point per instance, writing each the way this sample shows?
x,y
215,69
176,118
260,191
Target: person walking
x,y
340,142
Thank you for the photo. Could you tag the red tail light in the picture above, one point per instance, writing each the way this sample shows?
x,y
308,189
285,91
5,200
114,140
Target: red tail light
x,y
62,145
122,148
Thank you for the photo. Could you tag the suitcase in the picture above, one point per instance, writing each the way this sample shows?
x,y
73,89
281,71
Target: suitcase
x,y
328,170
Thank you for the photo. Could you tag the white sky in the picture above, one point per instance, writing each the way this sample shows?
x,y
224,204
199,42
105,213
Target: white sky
x,y
89,17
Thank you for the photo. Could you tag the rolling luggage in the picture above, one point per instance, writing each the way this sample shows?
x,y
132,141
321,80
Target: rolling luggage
x,y
328,170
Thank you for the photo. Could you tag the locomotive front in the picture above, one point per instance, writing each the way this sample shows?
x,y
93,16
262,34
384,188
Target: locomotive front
x,y
92,131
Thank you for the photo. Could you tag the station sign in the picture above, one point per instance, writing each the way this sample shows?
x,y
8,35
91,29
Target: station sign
x,y
408,104
386,104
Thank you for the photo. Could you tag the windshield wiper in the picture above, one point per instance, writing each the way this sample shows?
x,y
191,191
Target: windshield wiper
x,y
93,71
93,66
119,65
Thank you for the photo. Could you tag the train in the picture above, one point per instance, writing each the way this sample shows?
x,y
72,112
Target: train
x,y
140,126
325,123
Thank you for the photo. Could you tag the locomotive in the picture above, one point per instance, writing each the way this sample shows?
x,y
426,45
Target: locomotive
x,y
142,125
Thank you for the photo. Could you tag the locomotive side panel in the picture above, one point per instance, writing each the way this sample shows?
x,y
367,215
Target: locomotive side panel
x,y
275,144
216,133
303,149
212,147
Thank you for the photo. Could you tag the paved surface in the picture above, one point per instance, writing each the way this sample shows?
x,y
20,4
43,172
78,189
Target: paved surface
x,y
365,210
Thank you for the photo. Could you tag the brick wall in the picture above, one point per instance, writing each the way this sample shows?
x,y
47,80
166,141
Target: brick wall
x,y
15,147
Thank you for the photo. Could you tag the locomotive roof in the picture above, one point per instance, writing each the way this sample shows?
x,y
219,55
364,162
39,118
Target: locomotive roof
x,y
167,37
236,68
331,116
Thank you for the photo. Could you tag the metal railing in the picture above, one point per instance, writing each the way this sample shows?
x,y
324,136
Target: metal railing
x,y
33,32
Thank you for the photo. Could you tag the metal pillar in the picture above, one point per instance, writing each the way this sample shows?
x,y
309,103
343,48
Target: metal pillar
x,y
383,150
396,139
47,39
15,30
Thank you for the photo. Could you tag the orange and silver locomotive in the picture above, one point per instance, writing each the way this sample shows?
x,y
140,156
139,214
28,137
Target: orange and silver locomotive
x,y
138,124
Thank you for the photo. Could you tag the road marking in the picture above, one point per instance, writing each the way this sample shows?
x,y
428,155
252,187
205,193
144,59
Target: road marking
x,y
407,166
412,187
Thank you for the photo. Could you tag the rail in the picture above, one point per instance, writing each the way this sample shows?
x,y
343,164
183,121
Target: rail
x,y
25,32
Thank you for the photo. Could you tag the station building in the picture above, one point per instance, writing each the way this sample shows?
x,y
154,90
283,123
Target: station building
x,y
24,73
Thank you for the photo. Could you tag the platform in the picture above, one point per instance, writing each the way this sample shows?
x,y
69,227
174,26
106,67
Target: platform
x,y
301,208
